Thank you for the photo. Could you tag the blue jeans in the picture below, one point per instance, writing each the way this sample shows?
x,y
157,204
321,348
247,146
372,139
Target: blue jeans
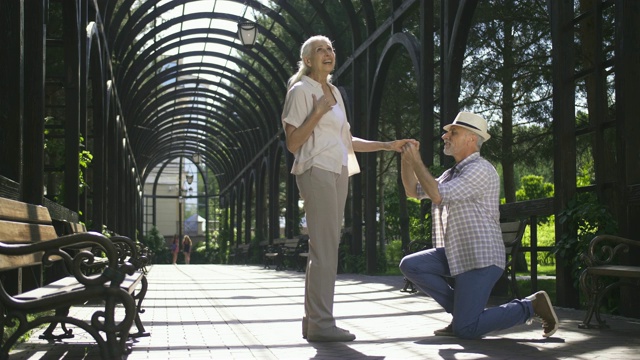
x,y
467,299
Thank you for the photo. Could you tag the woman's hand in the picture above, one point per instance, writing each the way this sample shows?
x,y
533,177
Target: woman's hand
x,y
321,106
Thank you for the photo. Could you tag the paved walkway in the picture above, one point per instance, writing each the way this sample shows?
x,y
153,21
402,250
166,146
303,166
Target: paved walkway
x,y
246,312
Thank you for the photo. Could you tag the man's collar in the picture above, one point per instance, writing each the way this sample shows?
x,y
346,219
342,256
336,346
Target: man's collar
x,y
468,159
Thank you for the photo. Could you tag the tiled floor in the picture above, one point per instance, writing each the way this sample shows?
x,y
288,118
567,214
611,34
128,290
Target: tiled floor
x,y
247,312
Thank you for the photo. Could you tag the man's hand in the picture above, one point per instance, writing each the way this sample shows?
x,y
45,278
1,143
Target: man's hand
x,y
411,153
398,145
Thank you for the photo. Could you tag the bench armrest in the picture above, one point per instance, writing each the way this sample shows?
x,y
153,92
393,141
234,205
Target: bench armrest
x,y
129,250
52,251
603,249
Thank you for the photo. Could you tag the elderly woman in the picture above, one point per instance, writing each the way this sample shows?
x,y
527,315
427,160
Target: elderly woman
x,y
318,134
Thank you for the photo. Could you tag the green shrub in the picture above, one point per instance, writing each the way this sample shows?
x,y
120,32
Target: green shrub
x,y
394,253
546,238
202,255
585,217
156,243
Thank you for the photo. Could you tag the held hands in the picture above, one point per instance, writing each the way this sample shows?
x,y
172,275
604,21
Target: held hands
x,y
399,145
411,152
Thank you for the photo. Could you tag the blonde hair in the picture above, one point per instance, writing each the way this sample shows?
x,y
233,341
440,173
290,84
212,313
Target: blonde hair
x,y
305,51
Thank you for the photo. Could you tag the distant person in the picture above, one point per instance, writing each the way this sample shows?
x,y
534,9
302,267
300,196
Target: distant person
x,y
467,237
175,249
318,134
186,249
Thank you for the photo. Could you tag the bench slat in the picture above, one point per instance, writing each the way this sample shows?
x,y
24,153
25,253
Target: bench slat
x,y
17,233
70,284
20,233
19,211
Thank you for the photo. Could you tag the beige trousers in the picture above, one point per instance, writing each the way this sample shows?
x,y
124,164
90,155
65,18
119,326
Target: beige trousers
x,y
325,195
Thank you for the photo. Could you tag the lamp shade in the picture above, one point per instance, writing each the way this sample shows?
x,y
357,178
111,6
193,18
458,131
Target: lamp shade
x,y
247,33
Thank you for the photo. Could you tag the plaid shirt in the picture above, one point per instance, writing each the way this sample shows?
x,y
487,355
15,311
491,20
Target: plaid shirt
x,y
467,221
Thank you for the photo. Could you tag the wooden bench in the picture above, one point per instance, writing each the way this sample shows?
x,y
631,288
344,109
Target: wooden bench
x,y
28,239
240,254
303,252
129,252
295,252
603,274
271,252
512,234
287,253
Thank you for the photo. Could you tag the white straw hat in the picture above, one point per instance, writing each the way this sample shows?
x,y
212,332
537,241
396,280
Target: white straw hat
x,y
470,121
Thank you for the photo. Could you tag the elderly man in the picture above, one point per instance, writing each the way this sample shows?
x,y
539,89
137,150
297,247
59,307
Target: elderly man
x,y
467,238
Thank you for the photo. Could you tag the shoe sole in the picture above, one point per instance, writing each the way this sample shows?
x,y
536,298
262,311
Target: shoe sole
x,y
443,333
328,339
553,312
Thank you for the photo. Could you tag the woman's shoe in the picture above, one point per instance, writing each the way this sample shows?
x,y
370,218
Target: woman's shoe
x,y
332,334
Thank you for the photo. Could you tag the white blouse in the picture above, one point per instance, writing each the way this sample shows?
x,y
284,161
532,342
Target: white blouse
x,y
329,147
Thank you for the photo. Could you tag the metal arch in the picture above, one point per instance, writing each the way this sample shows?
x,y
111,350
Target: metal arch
x,y
248,200
165,158
221,153
300,21
208,128
169,156
270,13
278,154
138,18
251,88
239,96
216,112
165,44
277,18
454,43
356,38
205,112
158,47
240,194
150,88
205,99
189,130
326,19
129,34
168,145
250,121
398,40
262,192
153,86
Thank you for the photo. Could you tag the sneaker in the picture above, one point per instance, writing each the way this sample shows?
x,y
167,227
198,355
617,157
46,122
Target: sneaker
x,y
543,309
446,331
332,334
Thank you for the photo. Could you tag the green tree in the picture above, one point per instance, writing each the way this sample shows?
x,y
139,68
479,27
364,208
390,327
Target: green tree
x,y
507,79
